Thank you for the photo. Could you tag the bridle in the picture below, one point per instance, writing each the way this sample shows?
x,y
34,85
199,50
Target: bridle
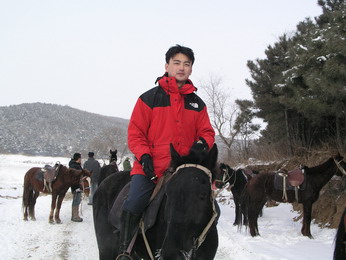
x,y
226,177
198,241
338,164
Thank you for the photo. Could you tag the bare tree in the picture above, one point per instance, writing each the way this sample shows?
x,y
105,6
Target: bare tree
x,y
221,111
110,139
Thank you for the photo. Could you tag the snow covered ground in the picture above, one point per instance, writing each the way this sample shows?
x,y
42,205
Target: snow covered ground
x,y
280,235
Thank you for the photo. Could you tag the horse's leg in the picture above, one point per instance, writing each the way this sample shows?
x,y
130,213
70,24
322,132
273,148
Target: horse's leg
x,y
307,219
254,209
237,210
57,210
32,203
252,219
52,208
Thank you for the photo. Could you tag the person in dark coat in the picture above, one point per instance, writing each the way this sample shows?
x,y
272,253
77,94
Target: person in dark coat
x,y
75,163
94,167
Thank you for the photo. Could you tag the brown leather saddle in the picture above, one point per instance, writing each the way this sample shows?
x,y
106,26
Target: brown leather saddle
x,y
48,174
290,179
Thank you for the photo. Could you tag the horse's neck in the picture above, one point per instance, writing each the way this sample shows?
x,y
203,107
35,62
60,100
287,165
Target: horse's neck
x,y
324,172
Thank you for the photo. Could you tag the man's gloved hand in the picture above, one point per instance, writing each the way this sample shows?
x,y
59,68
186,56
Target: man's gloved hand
x,y
148,166
199,146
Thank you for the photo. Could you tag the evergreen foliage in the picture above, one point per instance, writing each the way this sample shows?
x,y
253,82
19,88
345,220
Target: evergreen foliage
x,y
299,89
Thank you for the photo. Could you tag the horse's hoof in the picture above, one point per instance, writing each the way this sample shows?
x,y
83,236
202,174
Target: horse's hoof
x,y
58,221
25,219
33,219
51,221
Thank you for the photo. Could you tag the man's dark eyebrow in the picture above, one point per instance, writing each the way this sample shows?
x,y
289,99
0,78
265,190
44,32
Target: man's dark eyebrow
x,y
174,60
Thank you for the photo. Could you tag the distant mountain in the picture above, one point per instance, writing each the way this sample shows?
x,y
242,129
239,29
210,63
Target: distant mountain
x,y
54,130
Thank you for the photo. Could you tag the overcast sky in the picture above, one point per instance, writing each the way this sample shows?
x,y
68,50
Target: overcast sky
x,y
99,56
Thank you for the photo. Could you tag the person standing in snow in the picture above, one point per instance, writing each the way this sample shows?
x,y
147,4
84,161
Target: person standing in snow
x,y
75,163
94,167
170,113
127,165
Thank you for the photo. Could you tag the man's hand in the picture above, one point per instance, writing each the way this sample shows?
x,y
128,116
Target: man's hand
x,y
199,146
148,166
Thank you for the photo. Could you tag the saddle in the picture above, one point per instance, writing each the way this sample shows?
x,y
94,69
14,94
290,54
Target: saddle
x,y
150,214
290,180
48,174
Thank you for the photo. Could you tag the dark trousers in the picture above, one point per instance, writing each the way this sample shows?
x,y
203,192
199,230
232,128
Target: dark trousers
x,y
141,188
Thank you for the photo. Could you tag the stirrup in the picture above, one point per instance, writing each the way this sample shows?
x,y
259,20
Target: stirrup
x,y
125,255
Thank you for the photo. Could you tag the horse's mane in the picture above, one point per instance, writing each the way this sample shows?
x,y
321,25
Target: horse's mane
x,y
319,168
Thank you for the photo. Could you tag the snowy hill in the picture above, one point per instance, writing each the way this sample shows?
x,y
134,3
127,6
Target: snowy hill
x,y
54,130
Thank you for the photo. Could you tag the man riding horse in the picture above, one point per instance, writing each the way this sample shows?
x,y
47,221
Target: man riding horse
x,y
168,113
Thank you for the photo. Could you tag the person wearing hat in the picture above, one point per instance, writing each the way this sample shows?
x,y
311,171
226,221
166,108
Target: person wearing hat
x,y
127,164
75,163
94,167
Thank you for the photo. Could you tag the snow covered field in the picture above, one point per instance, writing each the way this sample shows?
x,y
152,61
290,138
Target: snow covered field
x,y
280,235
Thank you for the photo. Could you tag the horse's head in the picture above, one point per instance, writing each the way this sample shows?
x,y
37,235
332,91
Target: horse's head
x,y
223,175
85,173
189,206
341,165
113,156
76,176
208,160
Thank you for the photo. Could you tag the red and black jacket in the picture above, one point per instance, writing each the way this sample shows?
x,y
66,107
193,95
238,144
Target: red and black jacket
x,y
166,114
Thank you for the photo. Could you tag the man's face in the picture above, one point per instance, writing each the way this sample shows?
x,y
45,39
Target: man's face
x,y
180,67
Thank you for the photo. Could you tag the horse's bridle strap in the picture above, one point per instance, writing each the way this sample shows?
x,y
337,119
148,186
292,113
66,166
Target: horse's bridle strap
x,y
339,166
204,233
198,166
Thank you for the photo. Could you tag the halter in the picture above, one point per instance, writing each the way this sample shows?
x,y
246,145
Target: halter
x,y
226,177
339,166
198,241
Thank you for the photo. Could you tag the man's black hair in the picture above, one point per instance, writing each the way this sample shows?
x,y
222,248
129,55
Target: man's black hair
x,y
76,156
180,49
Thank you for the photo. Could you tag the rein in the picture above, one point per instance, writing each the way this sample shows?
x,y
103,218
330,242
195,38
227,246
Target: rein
x,y
339,166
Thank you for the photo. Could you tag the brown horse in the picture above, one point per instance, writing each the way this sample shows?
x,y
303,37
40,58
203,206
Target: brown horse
x,y
34,184
261,188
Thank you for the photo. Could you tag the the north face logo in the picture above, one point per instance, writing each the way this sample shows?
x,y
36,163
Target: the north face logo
x,y
194,105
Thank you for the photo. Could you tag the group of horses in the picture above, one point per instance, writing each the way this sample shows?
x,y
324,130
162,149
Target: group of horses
x,y
181,220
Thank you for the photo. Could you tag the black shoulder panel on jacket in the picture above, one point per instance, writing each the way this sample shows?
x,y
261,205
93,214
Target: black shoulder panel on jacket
x,y
155,97
194,102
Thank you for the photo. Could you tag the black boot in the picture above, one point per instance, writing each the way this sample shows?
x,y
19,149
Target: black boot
x,y
129,225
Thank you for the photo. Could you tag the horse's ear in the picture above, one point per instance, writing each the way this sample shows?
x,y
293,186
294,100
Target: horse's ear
x,y
212,157
174,154
110,151
116,151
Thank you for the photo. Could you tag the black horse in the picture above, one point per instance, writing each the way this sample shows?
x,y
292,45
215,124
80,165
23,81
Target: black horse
x,y
340,239
111,168
261,188
185,227
237,179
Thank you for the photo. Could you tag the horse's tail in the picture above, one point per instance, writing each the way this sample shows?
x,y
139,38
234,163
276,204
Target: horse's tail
x,y
243,209
28,192
340,246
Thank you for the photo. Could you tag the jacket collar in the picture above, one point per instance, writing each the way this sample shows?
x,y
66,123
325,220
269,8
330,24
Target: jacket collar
x,y
169,84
